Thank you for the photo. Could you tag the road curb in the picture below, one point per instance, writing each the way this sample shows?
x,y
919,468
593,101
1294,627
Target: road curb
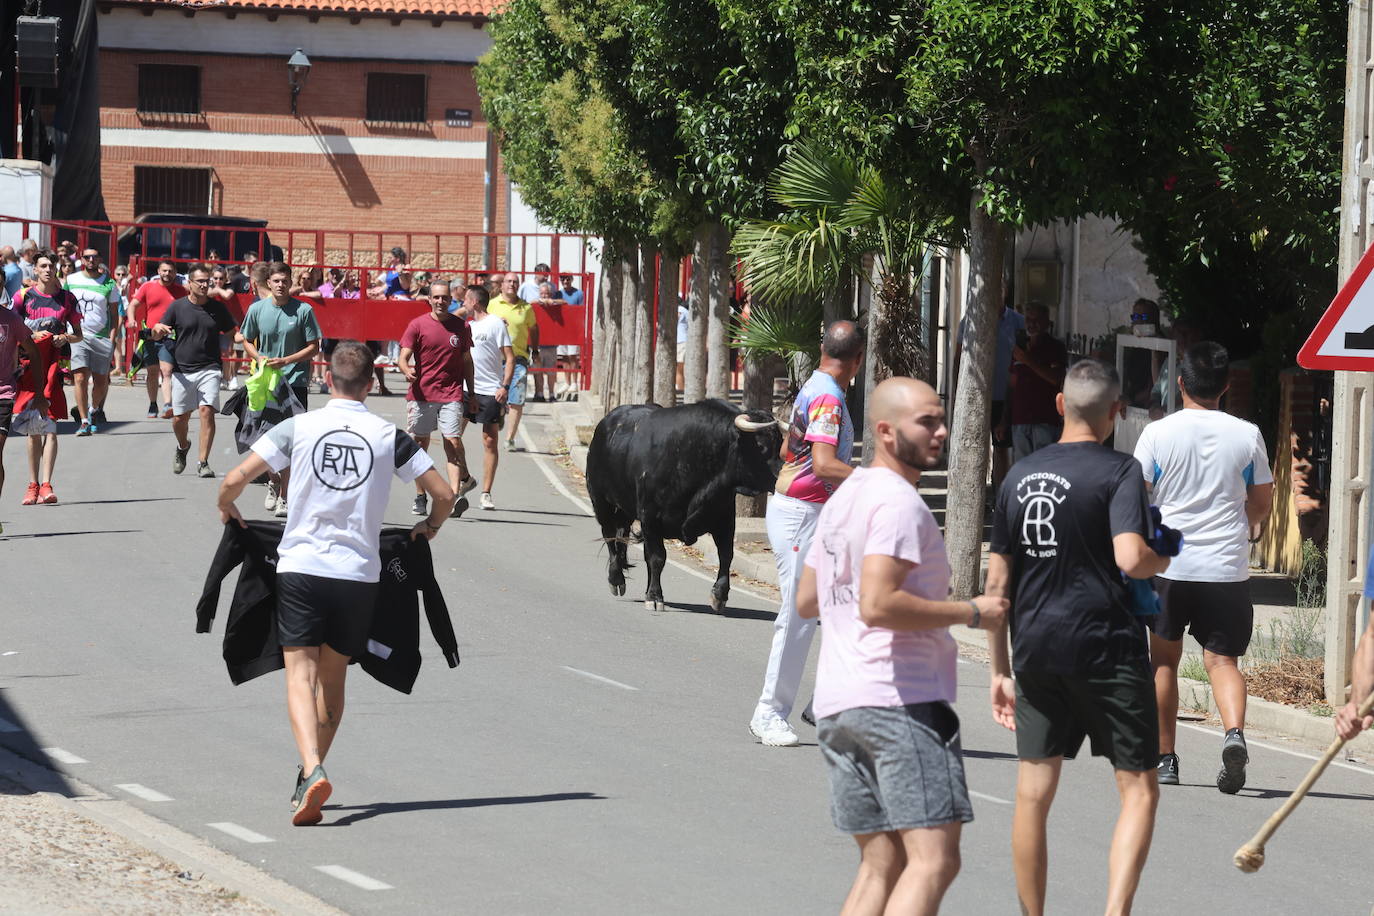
x,y
190,852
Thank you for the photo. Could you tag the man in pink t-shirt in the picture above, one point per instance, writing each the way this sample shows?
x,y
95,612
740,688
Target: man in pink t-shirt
x,y
436,358
878,577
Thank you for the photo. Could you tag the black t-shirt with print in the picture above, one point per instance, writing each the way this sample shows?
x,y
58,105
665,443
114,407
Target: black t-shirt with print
x,y
1056,515
198,328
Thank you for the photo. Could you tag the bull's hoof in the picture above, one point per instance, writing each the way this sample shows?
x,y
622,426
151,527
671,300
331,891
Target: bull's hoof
x,y
652,605
717,604
618,590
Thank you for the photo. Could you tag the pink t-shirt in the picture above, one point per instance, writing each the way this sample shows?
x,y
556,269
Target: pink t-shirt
x,y
877,512
437,351
13,332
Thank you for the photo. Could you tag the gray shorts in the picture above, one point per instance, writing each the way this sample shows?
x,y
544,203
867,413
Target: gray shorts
x,y
894,768
191,390
93,353
424,417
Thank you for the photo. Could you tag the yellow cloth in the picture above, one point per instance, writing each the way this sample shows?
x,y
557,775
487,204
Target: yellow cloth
x,y
520,321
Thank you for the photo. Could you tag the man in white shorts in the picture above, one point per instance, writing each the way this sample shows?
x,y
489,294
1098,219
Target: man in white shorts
x,y
97,294
197,321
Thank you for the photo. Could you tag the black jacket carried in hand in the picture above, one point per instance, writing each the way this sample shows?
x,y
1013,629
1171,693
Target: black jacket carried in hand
x,y
251,647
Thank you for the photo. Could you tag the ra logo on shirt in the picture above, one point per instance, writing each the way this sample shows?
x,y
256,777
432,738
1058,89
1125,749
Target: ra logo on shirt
x,y
1040,495
342,459
453,341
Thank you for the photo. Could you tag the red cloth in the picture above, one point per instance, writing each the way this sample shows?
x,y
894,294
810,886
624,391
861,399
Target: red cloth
x,y
154,298
438,348
52,387
1032,398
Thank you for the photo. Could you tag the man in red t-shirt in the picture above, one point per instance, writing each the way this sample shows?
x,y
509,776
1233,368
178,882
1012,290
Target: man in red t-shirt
x,y
147,307
436,358
1037,375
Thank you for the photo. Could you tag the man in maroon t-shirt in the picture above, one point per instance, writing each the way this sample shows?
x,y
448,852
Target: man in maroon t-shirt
x,y
1037,375
436,359
147,306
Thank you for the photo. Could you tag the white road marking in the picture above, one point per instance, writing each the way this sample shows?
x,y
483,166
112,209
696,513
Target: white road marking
x,y
143,792
61,756
9,653
992,798
597,677
240,833
357,879
7,726
586,507
1282,750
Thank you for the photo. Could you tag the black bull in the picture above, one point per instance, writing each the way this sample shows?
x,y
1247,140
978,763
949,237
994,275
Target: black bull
x,y
676,470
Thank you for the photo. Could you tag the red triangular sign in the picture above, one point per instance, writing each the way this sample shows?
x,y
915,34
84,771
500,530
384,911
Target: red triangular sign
x,y
1344,337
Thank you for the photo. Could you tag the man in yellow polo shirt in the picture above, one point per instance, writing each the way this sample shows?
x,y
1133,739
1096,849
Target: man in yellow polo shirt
x,y
524,335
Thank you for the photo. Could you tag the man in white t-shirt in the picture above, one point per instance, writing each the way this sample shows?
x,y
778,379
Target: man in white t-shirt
x,y
877,575
342,458
1209,474
493,364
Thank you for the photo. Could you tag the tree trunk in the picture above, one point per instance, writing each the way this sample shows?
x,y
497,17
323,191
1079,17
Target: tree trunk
x,y
629,302
873,373
598,304
665,350
698,305
718,326
757,394
643,385
968,461
613,295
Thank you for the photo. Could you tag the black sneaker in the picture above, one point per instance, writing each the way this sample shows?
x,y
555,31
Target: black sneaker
x,y
310,795
421,505
1234,757
808,714
1168,770
98,416
152,410
460,506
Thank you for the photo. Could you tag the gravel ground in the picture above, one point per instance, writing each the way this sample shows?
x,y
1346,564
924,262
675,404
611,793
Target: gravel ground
x,y
53,861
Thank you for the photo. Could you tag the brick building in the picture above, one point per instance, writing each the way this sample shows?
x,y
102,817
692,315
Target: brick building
x,y
388,135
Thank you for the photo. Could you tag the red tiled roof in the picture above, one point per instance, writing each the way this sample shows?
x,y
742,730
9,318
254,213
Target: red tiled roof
x,y
446,8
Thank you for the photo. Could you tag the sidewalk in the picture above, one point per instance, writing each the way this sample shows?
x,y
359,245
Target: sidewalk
x,y
1273,598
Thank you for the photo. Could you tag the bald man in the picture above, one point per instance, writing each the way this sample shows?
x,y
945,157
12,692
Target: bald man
x,y
877,575
1069,519
816,452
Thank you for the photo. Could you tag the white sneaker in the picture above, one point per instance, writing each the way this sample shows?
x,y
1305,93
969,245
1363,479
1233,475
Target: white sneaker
x,y
270,501
485,502
280,511
772,729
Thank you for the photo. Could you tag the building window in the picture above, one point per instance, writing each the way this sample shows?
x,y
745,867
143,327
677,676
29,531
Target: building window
x,y
163,190
396,98
168,89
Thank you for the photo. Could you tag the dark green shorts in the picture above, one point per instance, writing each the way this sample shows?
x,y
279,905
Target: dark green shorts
x,y
1116,711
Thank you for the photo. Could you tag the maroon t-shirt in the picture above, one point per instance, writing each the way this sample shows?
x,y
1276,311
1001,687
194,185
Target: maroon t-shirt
x,y
1032,398
437,351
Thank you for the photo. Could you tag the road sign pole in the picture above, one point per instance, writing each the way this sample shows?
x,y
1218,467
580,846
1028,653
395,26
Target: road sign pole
x,y
1352,404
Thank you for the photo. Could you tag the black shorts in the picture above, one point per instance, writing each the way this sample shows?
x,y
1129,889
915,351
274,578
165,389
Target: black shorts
x,y
6,415
995,414
1219,615
315,611
1115,711
302,393
486,410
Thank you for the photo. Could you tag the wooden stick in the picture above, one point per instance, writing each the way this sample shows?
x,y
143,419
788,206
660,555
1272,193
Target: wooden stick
x,y
1250,857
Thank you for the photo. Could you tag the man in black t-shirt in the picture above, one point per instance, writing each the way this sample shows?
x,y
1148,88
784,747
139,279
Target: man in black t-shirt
x,y
1069,519
197,321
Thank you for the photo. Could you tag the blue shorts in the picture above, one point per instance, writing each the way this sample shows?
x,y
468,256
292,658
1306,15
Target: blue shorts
x,y
516,395
164,352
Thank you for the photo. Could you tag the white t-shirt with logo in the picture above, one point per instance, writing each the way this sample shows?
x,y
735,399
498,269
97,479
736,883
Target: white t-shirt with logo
x,y
99,300
342,457
489,335
1201,464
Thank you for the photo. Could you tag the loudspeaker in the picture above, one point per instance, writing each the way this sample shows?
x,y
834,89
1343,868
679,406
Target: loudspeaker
x,y
36,37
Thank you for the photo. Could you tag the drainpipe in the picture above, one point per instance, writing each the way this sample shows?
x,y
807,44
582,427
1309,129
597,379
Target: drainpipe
x,y
488,202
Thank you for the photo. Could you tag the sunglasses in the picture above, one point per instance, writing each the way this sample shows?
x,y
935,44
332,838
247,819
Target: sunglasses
x,y
90,255
1142,317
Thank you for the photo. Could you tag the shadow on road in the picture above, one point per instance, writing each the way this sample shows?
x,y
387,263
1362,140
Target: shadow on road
x,y
117,502
65,534
16,738
989,755
363,812
489,520
1265,794
547,512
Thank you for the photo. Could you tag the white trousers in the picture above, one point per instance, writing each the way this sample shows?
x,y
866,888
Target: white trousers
x,y
791,525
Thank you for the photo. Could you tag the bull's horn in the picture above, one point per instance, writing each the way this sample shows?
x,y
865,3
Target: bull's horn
x,y
744,424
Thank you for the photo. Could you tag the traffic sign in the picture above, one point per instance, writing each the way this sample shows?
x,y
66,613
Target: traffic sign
x,y
1344,337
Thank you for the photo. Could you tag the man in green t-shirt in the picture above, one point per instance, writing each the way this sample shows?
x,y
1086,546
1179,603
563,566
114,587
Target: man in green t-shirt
x,y
524,335
281,331
101,308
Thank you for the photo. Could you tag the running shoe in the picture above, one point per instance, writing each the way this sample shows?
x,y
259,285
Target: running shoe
x,y
772,729
167,411
75,415
510,445
98,417
152,410
30,495
808,714
421,505
1234,757
311,794
466,486
280,511
179,459
1168,770
203,470
270,502
486,502
460,506
46,496
84,429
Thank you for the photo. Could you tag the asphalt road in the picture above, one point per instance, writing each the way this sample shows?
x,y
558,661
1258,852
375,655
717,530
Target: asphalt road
x,y
588,756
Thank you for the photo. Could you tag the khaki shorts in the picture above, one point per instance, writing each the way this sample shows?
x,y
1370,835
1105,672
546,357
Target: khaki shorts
x,y
191,390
